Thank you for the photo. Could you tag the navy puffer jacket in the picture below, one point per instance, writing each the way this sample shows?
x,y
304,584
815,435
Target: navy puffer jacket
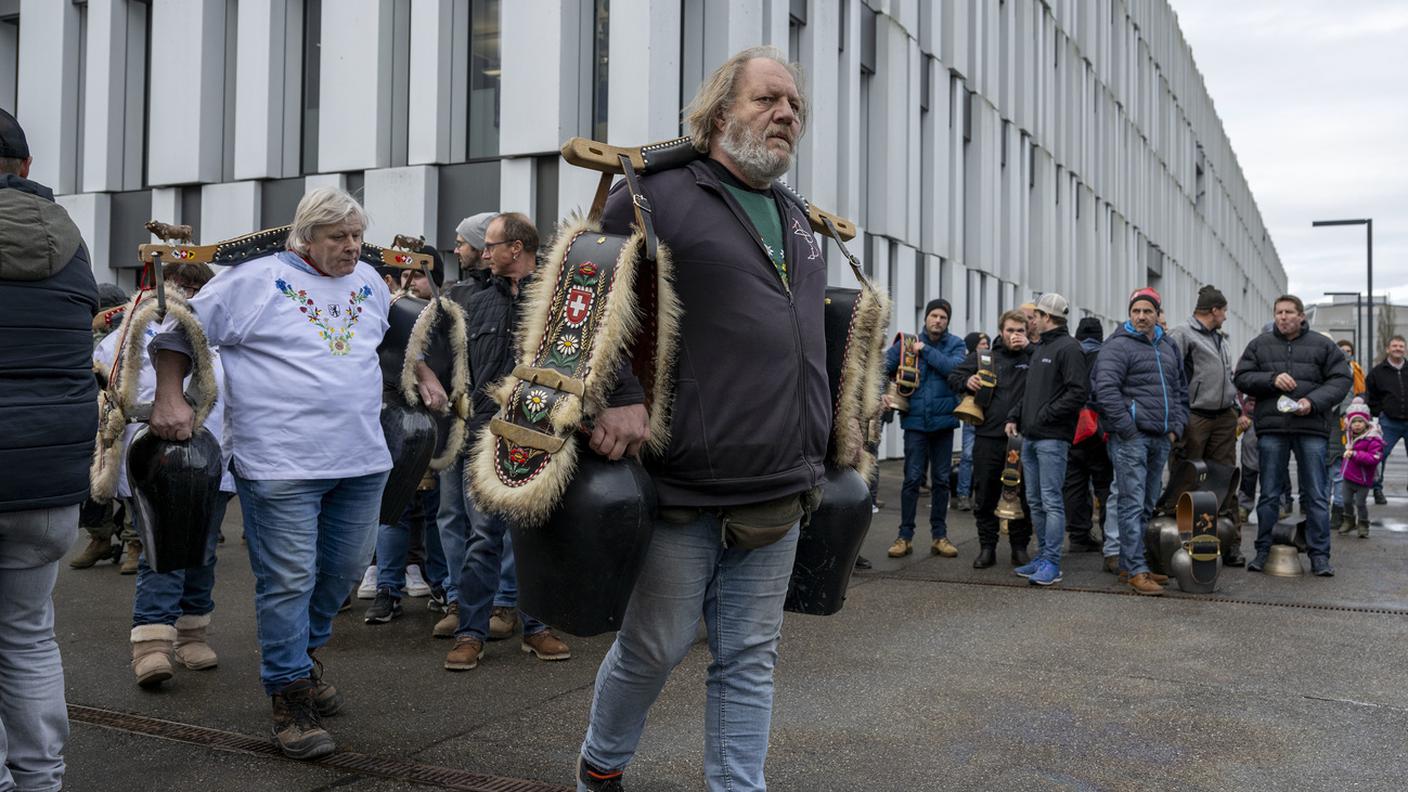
x,y
1139,384
931,406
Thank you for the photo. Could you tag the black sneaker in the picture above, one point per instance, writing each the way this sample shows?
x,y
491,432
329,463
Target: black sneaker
x,y
297,730
384,608
1320,566
437,601
598,780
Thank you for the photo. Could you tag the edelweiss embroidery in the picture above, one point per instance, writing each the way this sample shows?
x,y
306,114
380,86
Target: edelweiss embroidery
x,y
339,339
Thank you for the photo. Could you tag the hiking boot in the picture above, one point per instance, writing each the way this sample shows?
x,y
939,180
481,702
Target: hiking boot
x,y
191,649
943,547
326,699
1379,497
1046,574
1112,564
503,622
1142,584
96,550
546,646
987,556
1337,520
298,731
415,582
901,548
1363,529
152,645
1020,556
598,780
1320,566
1154,576
465,654
445,628
384,608
367,588
130,553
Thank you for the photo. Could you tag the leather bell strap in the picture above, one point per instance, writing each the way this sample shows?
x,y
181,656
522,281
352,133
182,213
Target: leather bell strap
x,y
907,374
639,203
1012,463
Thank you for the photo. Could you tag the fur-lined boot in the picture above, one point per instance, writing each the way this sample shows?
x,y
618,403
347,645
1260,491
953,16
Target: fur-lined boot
x,y
191,649
152,646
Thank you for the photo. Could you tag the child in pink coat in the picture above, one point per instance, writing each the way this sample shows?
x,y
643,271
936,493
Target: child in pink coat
x,y
1364,449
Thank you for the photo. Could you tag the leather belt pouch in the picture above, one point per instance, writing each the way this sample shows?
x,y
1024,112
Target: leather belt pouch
x,y
754,525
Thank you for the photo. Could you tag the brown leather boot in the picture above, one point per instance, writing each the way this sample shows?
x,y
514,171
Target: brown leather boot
x,y
130,551
191,649
1154,576
96,550
546,646
1142,584
298,732
465,654
151,653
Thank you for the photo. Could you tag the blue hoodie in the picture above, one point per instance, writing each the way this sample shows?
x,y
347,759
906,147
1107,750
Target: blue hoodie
x,y
1139,384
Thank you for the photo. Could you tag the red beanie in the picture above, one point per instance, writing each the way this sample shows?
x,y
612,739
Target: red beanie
x,y
1146,293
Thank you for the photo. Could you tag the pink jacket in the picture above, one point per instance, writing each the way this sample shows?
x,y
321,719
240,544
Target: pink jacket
x,y
1363,463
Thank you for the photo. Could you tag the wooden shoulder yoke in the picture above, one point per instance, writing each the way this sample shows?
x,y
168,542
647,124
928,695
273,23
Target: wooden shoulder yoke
x,y
246,247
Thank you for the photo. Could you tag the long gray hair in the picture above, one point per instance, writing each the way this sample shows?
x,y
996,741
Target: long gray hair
x,y
717,93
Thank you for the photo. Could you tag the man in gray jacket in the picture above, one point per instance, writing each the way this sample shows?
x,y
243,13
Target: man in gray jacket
x,y
1212,398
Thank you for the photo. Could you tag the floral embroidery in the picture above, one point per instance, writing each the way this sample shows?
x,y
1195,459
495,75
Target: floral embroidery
x,y
535,403
565,351
339,339
518,462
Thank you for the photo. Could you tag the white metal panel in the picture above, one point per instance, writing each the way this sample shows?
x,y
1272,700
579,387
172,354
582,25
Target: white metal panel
x,y
92,213
401,201
268,88
186,124
439,29
644,95
355,85
229,209
47,101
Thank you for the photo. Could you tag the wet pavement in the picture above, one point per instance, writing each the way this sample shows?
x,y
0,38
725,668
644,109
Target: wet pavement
x,y
934,676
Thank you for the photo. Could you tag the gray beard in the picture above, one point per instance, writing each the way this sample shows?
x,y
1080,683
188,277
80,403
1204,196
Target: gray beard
x,y
751,154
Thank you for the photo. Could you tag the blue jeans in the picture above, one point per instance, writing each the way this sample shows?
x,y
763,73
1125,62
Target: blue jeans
x,y
1139,471
1393,431
393,543
1309,450
965,465
33,715
479,576
162,598
309,540
1335,473
452,519
1044,476
933,450
739,594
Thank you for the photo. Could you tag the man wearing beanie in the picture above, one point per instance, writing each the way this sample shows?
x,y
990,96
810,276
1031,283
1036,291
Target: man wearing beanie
x,y
1212,398
1298,378
1143,398
1046,416
1088,466
928,429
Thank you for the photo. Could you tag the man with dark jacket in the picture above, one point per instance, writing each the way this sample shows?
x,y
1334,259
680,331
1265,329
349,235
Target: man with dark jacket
x,y
1088,467
1298,378
1046,416
928,429
1387,395
48,419
511,247
1212,398
1143,400
1010,359
749,428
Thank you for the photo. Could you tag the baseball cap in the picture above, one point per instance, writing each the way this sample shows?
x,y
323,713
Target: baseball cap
x,y
1053,304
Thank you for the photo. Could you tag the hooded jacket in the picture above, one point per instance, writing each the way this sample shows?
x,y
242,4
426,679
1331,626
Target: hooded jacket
x,y
48,397
1366,452
931,405
1139,384
1010,368
1207,366
1057,385
1313,361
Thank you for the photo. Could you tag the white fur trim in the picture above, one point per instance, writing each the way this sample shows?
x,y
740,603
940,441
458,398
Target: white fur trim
x,y
153,632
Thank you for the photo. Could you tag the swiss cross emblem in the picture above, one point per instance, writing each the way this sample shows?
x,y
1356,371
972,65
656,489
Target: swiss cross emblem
x,y
579,304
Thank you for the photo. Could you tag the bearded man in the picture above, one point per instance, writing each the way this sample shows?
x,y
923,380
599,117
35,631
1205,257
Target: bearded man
x,y
751,281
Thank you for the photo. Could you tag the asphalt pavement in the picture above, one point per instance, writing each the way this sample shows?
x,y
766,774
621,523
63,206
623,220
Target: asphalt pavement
x,y
934,676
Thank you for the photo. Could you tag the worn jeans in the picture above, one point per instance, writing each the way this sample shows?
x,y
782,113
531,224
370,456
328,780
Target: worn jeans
x,y
1393,431
932,451
393,543
164,597
965,464
33,714
309,540
479,576
1044,477
1276,450
452,518
1139,471
739,593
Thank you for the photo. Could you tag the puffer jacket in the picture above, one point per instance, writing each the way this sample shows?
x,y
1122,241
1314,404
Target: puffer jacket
x,y
931,406
1313,361
48,397
1139,384
1207,366
1367,451
1010,368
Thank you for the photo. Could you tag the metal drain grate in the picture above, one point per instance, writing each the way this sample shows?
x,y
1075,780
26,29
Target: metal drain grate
x,y
346,761
1171,594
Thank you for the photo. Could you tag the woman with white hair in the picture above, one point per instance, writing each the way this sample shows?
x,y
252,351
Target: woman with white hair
x,y
298,332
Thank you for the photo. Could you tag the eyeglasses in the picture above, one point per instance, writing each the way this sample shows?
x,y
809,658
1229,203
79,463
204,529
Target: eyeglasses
x,y
488,246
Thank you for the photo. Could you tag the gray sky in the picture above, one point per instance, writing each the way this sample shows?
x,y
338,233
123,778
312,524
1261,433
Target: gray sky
x,y
1314,97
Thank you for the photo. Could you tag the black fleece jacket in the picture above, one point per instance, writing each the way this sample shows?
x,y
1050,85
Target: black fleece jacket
x,y
1010,367
1057,386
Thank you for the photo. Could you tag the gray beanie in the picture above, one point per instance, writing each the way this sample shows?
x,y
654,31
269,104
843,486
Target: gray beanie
x,y
472,228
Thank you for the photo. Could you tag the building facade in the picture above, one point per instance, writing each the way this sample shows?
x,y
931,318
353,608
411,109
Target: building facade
x,y
989,150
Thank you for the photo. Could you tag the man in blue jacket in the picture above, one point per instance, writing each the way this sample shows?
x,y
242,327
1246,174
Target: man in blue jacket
x,y
1143,399
48,419
928,429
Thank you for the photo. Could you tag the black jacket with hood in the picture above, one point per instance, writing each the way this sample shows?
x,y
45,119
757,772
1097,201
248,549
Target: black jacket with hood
x,y
752,408
48,396
1057,386
1010,368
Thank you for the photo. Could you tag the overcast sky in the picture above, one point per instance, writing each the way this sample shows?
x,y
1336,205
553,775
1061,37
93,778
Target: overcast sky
x,y
1314,97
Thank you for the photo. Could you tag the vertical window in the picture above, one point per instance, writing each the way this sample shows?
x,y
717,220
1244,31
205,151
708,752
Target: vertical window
x,y
232,26
601,47
312,74
9,61
484,70
796,20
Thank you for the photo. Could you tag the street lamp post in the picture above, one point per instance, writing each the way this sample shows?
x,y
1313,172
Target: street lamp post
x,y
1368,223
1358,322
